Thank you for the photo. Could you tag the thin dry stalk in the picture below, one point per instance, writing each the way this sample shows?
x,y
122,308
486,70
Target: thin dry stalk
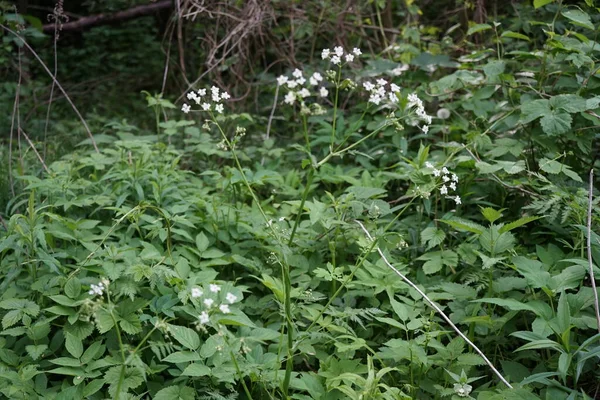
x,y
436,308
85,125
12,126
22,132
589,248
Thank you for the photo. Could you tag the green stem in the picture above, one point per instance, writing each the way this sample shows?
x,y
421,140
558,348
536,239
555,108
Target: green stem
x,y
309,179
335,106
239,372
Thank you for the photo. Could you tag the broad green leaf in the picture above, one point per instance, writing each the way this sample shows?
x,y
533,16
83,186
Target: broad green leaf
x,y
563,314
66,362
533,271
432,236
92,387
494,68
517,223
515,35
182,356
186,336
478,28
533,110
175,393
571,103
541,344
236,318
196,369
132,379
541,3
36,351
490,214
579,18
104,321
201,242
556,123
555,167
464,224
74,345
73,287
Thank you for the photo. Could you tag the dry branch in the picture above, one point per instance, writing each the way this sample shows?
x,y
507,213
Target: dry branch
x,y
103,19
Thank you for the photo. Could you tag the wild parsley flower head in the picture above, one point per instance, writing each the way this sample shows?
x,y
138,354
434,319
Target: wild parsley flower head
x,y
449,181
207,103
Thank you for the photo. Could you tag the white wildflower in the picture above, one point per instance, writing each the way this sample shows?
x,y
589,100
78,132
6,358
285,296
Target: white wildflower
x,y
381,82
297,73
225,96
425,129
219,108
356,51
368,86
325,54
215,288
292,84
399,70
97,289
191,96
206,106
304,92
339,51
429,165
394,88
301,81
452,185
375,99
282,80
454,178
196,292
290,98
208,302
335,60
224,309
446,178
204,319
457,200
437,172
444,189
201,92
323,92
445,170
349,57
186,108
231,298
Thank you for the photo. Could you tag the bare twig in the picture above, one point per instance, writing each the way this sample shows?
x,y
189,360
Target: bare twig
x,y
85,125
589,248
436,308
21,131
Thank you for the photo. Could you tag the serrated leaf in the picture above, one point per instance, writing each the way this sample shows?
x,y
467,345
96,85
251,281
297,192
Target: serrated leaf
x,y
196,369
74,345
579,18
432,236
515,224
36,351
186,336
533,110
182,356
132,379
570,103
491,214
104,321
556,123
73,287
11,318
478,28
175,393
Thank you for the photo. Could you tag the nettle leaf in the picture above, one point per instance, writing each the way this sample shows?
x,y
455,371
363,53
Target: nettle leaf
x,y
176,393
26,306
432,236
11,318
533,110
186,336
133,378
570,103
434,261
104,321
36,351
556,123
555,167
73,287
579,18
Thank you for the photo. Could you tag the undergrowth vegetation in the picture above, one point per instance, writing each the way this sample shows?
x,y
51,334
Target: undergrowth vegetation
x,y
408,219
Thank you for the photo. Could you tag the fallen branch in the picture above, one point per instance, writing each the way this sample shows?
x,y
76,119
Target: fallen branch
x,y
589,248
436,308
103,19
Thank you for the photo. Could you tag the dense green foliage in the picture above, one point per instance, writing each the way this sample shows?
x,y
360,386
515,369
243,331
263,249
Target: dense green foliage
x,y
257,248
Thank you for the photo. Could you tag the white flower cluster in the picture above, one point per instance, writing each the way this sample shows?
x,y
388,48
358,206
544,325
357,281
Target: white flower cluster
x,y
207,103
99,288
415,102
462,390
297,88
448,178
379,93
337,56
209,302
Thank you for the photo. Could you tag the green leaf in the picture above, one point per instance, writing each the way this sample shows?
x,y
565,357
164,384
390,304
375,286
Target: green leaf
x,y
514,35
556,123
563,314
490,214
533,110
175,393
104,321
186,336
73,287
432,236
66,362
196,369
132,379
570,103
92,387
533,271
36,351
236,318
494,68
11,318
201,242
555,167
74,345
464,224
541,344
182,356
579,18
541,3
478,28
517,223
